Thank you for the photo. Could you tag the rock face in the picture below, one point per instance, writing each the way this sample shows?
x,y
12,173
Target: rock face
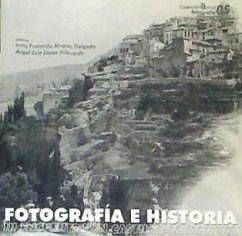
x,y
146,140
65,120
165,95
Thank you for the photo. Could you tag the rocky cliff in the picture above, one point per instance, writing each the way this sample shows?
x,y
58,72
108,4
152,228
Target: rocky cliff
x,y
145,140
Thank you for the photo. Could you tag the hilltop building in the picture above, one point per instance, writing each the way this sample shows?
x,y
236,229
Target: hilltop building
x,y
192,46
131,47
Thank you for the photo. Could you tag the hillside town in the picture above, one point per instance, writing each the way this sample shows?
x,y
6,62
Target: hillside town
x,y
146,118
198,47
136,127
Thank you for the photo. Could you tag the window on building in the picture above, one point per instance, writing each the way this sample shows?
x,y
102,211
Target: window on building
x,y
237,40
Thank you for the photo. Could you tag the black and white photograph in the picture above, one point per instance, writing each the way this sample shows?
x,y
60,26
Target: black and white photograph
x,y
121,117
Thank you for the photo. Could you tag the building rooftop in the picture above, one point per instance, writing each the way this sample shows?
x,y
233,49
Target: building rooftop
x,y
134,37
202,43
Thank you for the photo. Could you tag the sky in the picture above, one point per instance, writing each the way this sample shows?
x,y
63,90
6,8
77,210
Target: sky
x,y
102,23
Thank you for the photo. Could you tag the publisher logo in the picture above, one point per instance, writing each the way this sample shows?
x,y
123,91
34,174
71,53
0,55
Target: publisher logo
x,y
202,6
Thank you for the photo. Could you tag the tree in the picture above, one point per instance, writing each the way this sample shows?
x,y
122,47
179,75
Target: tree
x,y
102,63
76,93
5,157
18,108
8,115
79,90
15,191
1,119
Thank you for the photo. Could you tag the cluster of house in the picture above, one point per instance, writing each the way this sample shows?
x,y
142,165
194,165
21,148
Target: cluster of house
x,y
191,46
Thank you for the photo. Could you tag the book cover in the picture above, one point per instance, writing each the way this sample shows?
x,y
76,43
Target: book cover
x,y
120,117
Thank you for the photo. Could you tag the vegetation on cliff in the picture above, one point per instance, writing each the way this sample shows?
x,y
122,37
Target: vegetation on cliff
x,y
30,168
